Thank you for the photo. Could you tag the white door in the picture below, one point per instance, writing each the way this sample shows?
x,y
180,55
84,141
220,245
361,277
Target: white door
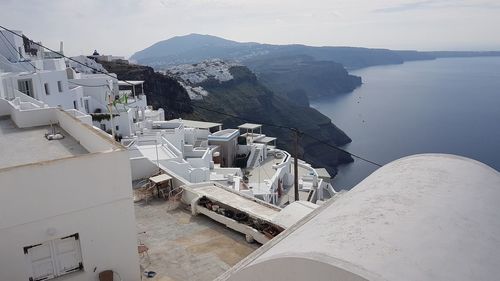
x,y
54,258
40,259
68,256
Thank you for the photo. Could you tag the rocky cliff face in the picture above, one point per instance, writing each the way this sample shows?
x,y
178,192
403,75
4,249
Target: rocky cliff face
x,y
161,91
244,97
301,78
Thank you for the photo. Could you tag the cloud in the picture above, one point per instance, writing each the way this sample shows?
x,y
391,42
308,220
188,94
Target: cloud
x,y
122,27
438,4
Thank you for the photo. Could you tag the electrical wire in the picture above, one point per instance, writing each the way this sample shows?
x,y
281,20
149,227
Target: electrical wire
x,y
291,129
208,109
95,86
62,55
17,51
4,39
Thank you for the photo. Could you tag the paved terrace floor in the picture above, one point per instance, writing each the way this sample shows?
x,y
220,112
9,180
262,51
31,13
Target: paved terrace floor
x,y
20,146
185,247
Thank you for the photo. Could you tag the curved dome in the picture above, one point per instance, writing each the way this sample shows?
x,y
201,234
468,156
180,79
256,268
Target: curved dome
x,y
424,217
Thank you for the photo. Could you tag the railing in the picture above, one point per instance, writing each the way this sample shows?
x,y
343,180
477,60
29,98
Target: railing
x,y
170,147
281,169
85,118
25,98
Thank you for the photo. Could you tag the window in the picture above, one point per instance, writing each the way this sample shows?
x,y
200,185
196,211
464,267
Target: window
x,y
75,105
59,86
117,128
86,103
103,127
47,90
25,86
54,258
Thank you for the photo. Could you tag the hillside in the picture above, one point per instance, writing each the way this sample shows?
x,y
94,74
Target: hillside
x,y
246,98
193,48
243,96
162,91
301,78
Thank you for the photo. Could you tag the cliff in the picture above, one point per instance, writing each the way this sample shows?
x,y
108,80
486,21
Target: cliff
x,y
246,98
301,78
161,91
241,95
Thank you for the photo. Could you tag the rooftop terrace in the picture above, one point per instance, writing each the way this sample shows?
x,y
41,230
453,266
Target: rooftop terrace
x,y
29,145
183,247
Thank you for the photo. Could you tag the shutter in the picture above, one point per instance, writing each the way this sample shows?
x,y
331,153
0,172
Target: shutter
x,y
40,259
67,254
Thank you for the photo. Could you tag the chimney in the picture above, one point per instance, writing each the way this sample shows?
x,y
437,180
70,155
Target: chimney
x,y
61,47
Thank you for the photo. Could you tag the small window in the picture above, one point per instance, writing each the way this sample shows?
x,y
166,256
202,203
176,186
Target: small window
x,y
117,128
26,86
103,127
75,105
47,90
54,258
59,86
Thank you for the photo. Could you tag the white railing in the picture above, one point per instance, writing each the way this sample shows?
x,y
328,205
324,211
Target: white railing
x,y
281,169
167,145
25,98
85,118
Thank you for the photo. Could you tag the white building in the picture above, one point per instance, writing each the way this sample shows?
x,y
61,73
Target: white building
x,y
196,152
66,206
425,217
26,69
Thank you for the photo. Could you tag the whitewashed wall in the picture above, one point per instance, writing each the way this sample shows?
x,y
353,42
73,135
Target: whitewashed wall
x,y
76,195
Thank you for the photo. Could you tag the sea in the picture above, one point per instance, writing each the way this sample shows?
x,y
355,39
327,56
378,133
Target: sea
x,y
447,105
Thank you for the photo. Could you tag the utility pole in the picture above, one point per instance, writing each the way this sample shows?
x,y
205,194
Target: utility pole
x,y
296,164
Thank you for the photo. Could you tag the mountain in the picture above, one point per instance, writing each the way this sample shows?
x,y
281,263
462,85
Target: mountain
x,y
300,78
193,48
295,72
233,89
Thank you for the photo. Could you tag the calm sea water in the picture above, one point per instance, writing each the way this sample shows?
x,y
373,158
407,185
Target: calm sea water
x,y
446,105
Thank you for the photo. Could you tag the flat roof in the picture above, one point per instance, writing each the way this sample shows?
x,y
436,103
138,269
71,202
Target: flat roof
x,y
237,201
224,135
265,140
128,82
19,146
294,212
199,124
322,173
249,126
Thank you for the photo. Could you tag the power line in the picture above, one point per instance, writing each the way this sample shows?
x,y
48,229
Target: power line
x,y
237,117
17,51
10,51
291,129
96,86
201,107
342,150
62,55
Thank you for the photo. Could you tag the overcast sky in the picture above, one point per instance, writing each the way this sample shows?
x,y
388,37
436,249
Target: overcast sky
x,y
122,27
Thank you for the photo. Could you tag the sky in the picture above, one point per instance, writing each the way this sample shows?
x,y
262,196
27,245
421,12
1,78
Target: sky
x,y
122,27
